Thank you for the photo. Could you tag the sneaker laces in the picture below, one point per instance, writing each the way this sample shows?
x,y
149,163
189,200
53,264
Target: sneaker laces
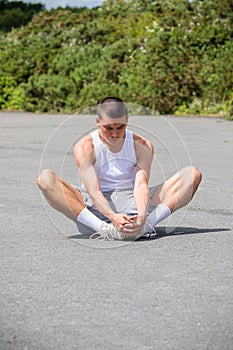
x,y
108,232
100,236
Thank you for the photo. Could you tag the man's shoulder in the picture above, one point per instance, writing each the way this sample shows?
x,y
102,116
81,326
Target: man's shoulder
x,y
84,147
140,140
84,141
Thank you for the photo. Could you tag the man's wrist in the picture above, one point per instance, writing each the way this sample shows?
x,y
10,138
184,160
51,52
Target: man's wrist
x,y
142,215
109,215
142,218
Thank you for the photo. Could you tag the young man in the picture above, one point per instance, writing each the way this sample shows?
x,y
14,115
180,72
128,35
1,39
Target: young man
x,y
114,200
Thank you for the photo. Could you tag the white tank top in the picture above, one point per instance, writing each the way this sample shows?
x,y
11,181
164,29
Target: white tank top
x,y
115,170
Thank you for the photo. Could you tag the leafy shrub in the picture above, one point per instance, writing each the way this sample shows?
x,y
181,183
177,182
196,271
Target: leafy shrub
x,y
11,96
47,92
14,14
168,55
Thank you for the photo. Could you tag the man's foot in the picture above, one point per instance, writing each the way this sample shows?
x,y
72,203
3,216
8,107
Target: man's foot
x,y
108,232
148,230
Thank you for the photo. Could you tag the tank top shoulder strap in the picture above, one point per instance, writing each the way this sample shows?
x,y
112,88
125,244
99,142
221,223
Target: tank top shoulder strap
x,y
129,135
95,138
129,144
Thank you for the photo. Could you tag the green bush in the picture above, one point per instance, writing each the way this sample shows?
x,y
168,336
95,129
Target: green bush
x,y
12,96
14,14
47,92
172,56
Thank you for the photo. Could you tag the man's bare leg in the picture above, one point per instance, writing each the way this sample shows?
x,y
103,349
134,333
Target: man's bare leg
x,y
69,201
60,194
173,194
178,191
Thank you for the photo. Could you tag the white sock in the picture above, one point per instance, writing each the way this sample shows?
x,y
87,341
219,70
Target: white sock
x,y
87,218
158,214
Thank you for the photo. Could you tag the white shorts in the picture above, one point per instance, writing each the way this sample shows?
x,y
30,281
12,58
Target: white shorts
x,y
121,201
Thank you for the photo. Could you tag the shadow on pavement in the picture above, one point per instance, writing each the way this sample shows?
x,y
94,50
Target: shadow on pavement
x,y
176,231
168,231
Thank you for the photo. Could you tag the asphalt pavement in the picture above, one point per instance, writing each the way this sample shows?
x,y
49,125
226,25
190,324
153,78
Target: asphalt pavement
x,y
62,291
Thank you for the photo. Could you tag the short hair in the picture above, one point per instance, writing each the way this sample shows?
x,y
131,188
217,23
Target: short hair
x,y
113,107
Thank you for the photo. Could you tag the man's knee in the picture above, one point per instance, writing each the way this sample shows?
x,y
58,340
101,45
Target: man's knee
x,y
196,176
46,180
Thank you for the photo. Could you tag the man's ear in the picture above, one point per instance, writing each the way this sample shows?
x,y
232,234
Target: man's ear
x,y
97,119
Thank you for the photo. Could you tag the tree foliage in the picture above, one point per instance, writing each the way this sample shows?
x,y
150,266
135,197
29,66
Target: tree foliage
x,y
14,14
173,56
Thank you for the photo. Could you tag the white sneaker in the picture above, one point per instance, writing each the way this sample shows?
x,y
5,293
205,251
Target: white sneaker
x,y
148,230
108,232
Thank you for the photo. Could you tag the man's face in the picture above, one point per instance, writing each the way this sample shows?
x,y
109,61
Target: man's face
x,y
112,131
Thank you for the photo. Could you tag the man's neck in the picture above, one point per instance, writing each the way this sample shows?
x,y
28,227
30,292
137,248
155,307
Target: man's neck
x,y
115,148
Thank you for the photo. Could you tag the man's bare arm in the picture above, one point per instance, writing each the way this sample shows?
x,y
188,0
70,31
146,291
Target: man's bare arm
x,y
85,158
144,153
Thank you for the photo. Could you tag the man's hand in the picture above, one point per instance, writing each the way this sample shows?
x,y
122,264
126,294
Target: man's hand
x,y
120,220
134,226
